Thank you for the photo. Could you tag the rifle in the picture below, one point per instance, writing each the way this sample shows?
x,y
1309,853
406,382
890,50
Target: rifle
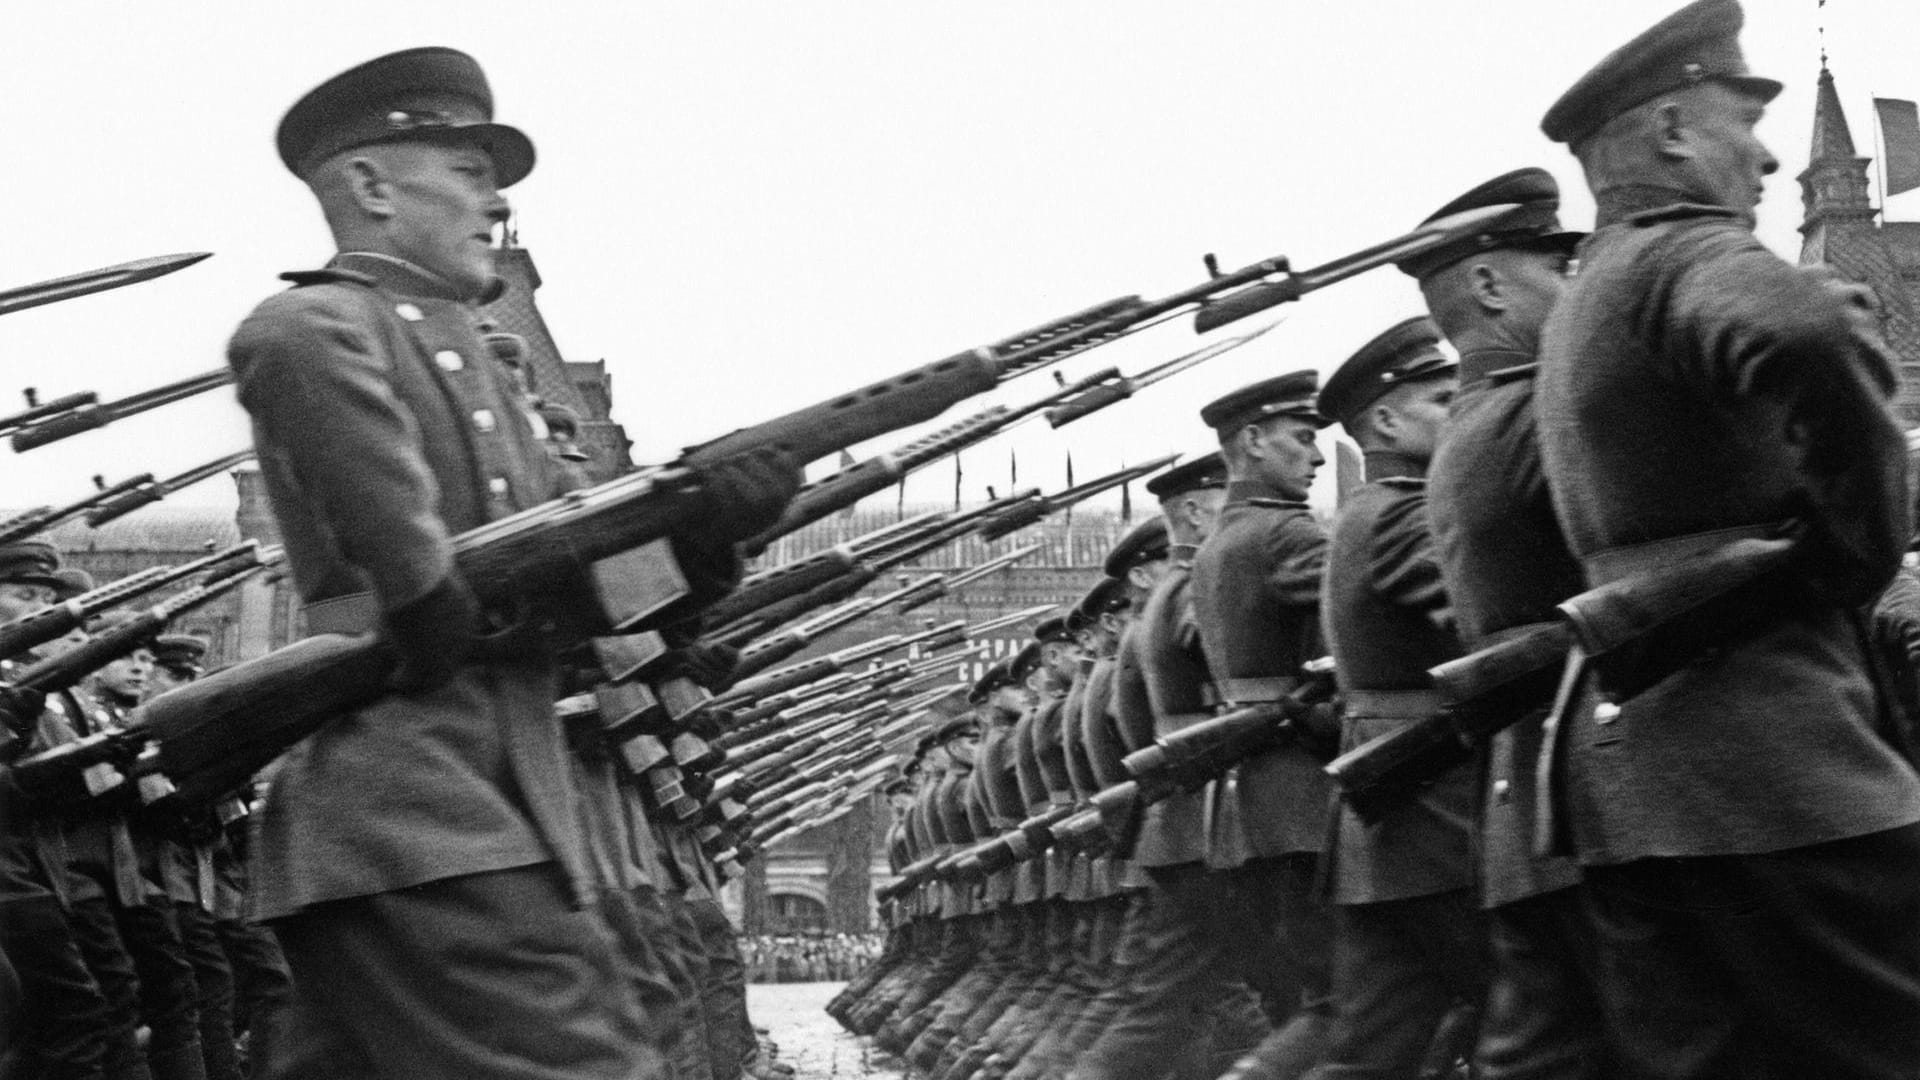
x,y
776,583
1123,388
53,774
85,283
57,621
152,491
1030,510
1197,753
1490,690
21,526
92,416
927,590
762,686
223,727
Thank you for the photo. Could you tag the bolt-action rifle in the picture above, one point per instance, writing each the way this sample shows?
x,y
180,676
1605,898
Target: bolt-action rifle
x,y
1031,509
21,526
92,415
152,491
51,623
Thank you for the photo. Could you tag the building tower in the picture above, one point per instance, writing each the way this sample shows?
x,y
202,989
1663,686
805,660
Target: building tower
x,y
1840,231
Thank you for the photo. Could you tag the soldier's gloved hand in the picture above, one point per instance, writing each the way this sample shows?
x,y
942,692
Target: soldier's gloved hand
x,y
708,663
742,495
433,636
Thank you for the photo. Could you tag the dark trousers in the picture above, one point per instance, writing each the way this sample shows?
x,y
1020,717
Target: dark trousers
x,y
213,979
262,985
61,1028
491,975
1182,956
135,954
732,1038
1400,966
1797,963
1288,956
1542,1020
656,958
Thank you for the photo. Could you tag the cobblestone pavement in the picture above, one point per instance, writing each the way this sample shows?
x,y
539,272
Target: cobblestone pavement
x,y
808,1037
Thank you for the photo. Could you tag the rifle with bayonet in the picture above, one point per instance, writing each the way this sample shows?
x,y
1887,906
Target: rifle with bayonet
x,y
60,774
224,727
1658,620
776,583
23,525
927,590
56,621
86,283
91,415
152,491
1029,510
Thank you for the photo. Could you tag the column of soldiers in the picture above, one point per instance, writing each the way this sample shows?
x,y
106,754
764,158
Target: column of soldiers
x,y
1124,854
1688,852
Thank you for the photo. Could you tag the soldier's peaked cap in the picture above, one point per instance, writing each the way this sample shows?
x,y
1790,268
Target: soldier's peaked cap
x,y
1535,225
1699,42
1024,662
1209,471
179,651
997,675
1144,543
1407,351
30,562
1107,596
73,581
1051,629
1283,395
431,94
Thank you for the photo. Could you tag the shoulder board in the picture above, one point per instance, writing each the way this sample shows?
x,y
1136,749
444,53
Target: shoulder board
x,y
1514,373
1403,483
1678,212
1276,504
328,275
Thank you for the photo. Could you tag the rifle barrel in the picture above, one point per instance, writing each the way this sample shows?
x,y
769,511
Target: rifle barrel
x,y
54,290
92,417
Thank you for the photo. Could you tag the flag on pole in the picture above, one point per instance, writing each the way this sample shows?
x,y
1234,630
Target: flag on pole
x,y
956,481
1126,502
1900,133
1013,470
1069,484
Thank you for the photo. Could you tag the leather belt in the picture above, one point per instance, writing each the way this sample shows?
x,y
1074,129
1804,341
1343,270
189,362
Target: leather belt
x,y
1392,704
1255,691
1612,564
354,613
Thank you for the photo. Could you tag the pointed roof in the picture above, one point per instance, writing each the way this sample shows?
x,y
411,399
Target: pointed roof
x,y
1831,137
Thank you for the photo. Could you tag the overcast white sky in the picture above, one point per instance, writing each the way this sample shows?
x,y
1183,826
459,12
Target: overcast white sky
x,y
746,207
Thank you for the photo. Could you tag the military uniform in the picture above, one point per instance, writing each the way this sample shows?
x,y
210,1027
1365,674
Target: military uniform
x,y
1410,944
1748,829
1505,566
383,427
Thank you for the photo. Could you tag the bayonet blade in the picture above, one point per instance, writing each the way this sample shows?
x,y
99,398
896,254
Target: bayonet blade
x,y
54,290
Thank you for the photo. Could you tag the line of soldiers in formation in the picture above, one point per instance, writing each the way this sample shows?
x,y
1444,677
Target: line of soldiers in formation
x,y
1611,606
1690,852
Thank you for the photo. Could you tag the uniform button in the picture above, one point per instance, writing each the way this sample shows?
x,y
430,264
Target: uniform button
x,y
1502,790
449,360
483,421
539,425
1606,713
408,312
498,485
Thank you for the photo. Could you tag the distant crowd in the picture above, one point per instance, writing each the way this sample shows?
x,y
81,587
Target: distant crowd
x,y
815,957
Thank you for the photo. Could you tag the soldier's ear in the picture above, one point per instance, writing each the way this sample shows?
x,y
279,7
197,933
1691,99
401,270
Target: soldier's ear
x,y
1671,132
1487,287
369,186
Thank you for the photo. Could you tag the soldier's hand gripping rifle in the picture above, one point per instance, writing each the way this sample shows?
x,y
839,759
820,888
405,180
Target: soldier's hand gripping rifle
x,y
86,283
1487,691
57,621
1188,758
224,727
60,774
152,491
92,415
1031,509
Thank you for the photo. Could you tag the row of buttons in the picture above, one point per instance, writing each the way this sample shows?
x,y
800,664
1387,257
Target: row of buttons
x,y
483,419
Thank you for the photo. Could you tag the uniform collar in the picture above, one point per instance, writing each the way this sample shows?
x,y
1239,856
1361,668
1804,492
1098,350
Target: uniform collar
x,y
1243,491
1182,554
402,277
1629,201
1481,363
1387,464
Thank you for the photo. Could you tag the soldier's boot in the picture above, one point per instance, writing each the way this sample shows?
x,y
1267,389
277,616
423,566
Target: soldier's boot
x,y
1453,1043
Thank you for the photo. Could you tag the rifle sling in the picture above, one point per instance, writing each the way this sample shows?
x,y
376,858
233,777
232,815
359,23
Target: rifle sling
x,y
354,613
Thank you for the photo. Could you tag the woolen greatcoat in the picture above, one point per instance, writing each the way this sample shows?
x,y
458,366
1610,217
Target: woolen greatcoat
x,y
384,426
1505,565
1387,622
1256,595
1690,381
1174,830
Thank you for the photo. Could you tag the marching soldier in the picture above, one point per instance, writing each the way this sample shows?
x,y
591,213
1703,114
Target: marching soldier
x,y
1748,830
384,427
1179,999
1505,565
1410,945
1256,596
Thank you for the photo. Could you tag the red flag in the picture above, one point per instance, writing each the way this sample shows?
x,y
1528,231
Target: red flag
x,y
1900,135
1126,501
